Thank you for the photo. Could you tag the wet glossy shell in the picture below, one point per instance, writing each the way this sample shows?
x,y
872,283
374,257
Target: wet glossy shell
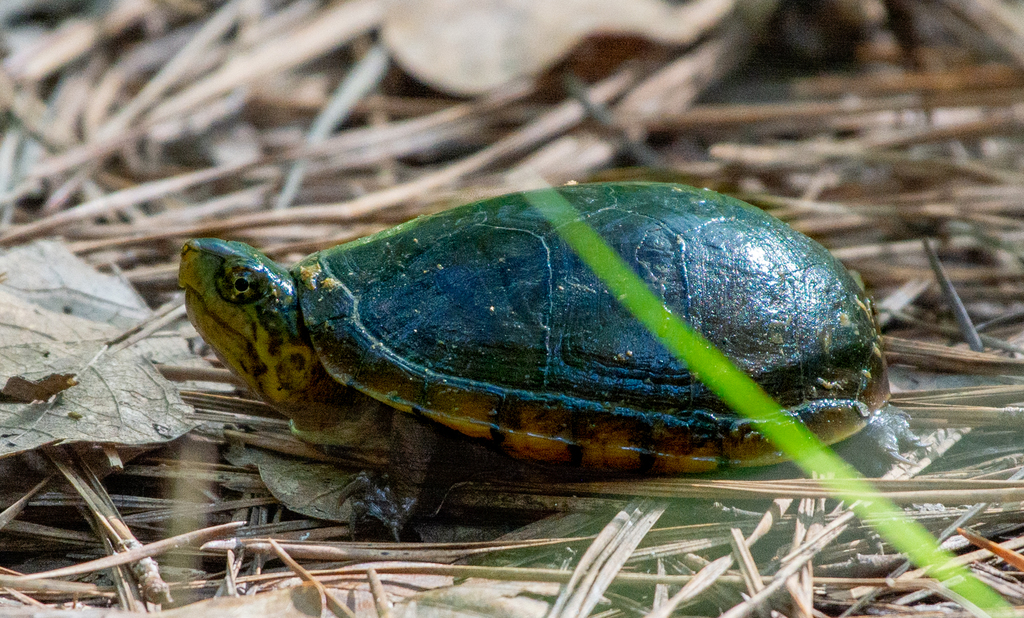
x,y
482,319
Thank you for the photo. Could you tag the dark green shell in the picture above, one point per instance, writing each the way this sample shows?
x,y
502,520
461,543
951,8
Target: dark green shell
x,y
483,319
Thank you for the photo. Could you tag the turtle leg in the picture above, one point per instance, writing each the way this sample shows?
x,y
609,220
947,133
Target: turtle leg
x,y
412,480
414,449
426,460
890,429
373,497
874,450
393,497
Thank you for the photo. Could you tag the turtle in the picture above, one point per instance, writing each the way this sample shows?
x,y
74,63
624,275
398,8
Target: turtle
x,y
480,319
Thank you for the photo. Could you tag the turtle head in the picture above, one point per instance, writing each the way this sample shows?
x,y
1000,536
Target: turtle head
x,y
245,306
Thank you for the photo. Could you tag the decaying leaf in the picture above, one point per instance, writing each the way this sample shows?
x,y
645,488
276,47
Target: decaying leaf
x,y
479,598
47,274
297,602
469,46
120,397
27,323
308,488
356,593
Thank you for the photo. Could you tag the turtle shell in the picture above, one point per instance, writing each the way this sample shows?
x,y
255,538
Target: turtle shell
x,y
481,318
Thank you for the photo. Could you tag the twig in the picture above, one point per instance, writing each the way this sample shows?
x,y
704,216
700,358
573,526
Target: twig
x,y
363,78
137,553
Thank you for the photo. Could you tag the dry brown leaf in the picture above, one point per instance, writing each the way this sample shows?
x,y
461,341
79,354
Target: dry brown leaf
x,y
47,274
469,47
298,602
311,489
357,595
120,398
28,391
27,323
476,598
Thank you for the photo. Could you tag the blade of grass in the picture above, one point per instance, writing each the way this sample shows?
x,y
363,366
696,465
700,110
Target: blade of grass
x,y
742,394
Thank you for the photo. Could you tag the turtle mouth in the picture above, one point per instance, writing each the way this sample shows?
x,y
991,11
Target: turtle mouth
x,y
198,266
190,271
219,333
230,345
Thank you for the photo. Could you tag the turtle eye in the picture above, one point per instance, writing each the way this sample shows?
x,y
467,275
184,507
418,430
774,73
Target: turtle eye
x,y
241,285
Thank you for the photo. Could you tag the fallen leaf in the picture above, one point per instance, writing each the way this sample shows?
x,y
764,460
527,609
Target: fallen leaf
x,y
397,586
120,398
47,274
23,322
308,488
476,598
299,602
469,47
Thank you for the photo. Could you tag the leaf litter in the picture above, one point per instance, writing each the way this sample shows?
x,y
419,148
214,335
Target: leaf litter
x,y
131,126
63,384
47,274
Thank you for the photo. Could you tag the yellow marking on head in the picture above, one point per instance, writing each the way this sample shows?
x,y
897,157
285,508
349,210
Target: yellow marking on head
x,y
288,371
244,306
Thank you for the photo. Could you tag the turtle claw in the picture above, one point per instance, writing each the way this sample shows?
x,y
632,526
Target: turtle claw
x,y
374,499
879,445
890,430
895,455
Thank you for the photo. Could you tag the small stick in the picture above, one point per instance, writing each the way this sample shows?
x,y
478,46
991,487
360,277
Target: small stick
x,y
135,554
970,334
336,606
363,78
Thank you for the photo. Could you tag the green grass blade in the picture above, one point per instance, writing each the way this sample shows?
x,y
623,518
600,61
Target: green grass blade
x,y
742,394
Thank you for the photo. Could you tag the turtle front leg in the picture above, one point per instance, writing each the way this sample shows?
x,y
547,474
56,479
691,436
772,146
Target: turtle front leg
x,y
415,478
874,450
373,497
890,429
426,460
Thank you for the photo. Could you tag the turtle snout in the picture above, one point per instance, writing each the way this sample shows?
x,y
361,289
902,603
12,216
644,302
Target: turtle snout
x,y
194,268
188,253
